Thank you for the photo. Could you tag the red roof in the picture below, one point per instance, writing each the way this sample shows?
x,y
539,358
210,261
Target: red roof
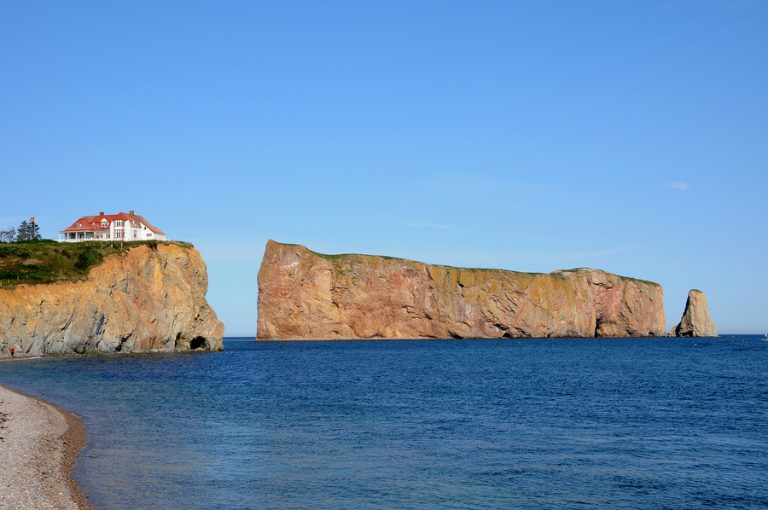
x,y
93,223
149,225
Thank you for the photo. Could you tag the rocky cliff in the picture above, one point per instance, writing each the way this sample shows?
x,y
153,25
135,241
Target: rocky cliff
x,y
696,320
150,297
307,295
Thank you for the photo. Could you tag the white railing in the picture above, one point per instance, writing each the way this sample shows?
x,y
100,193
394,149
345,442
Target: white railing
x,y
63,238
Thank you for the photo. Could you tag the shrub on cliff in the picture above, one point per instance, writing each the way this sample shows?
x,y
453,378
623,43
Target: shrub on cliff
x,y
47,261
88,258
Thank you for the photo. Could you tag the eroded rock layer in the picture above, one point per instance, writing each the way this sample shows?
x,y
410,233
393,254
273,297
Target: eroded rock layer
x,y
696,320
306,295
149,298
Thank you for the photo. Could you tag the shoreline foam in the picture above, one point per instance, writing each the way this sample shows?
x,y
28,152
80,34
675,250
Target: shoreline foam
x,y
39,444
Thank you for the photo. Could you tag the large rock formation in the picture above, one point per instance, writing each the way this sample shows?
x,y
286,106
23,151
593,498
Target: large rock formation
x,y
149,298
306,295
696,320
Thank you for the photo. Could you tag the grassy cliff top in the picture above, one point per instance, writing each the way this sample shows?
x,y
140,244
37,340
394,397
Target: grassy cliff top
x,y
341,256
38,262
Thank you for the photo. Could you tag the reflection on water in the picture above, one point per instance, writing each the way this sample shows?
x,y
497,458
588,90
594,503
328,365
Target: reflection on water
x,y
423,424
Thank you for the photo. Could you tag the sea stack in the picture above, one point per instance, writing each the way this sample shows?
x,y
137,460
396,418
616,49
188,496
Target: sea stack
x,y
307,295
696,320
149,297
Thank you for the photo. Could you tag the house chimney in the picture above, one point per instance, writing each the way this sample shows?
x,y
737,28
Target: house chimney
x,y
131,212
101,213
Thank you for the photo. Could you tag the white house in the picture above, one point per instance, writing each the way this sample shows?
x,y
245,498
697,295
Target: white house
x,y
111,227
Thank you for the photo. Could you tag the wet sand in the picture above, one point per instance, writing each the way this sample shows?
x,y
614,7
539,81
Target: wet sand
x,y
39,443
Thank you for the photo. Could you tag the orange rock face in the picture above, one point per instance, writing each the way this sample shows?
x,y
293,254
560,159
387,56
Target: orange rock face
x,y
146,299
696,320
306,295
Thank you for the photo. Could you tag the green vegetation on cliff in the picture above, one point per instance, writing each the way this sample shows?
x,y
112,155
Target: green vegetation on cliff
x,y
37,262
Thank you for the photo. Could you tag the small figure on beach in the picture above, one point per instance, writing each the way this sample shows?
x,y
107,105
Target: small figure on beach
x,y
12,351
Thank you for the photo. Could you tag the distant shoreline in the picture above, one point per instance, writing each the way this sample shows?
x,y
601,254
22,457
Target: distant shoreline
x,y
41,444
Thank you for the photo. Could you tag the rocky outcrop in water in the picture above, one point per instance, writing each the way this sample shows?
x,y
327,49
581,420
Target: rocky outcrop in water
x,y
307,295
696,320
149,298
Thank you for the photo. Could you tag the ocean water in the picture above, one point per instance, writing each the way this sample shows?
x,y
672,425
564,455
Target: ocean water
x,y
638,423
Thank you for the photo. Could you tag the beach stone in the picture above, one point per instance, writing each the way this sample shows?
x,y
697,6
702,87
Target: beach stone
x,y
35,472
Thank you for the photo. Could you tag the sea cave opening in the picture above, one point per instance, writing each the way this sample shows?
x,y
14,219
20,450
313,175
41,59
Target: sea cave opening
x,y
197,343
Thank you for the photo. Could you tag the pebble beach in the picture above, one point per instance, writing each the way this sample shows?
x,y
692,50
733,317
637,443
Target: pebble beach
x,y
38,446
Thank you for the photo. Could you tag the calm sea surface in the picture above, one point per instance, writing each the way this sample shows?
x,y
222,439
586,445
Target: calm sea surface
x,y
659,423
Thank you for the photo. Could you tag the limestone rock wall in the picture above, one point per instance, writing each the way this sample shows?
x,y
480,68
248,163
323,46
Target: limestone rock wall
x,y
306,295
149,298
696,320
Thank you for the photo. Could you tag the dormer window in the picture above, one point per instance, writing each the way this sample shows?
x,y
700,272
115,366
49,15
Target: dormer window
x,y
103,223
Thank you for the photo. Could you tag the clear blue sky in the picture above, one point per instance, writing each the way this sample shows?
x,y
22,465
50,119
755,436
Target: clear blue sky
x,y
628,136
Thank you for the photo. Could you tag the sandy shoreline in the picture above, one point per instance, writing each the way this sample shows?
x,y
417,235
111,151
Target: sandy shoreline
x,y
39,443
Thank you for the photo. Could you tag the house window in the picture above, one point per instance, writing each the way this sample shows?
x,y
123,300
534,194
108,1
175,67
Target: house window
x,y
118,234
